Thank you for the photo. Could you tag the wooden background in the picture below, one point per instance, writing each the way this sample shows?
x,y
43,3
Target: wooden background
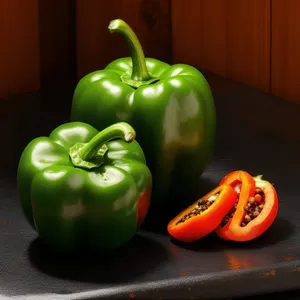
x,y
53,43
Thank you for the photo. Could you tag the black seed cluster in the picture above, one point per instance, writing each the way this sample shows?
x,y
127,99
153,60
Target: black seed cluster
x,y
254,207
201,206
230,214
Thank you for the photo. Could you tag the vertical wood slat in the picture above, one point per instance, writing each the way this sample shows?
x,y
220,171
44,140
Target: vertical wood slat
x,y
286,49
19,51
96,47
227,37
232,39
57,43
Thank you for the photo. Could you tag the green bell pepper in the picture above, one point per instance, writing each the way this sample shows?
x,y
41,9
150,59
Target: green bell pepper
x,y
171,108
84,188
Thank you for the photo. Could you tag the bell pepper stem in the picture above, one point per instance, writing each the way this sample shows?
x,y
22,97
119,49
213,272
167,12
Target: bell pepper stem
x,y
139,68
91,154
119,130
258,178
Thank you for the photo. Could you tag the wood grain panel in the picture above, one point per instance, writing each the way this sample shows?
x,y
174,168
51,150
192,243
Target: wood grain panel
x,y
228,37
286,49
96,47
19,50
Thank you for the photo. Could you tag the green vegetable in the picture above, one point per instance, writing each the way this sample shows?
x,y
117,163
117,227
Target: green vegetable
x,y
84,188
171,108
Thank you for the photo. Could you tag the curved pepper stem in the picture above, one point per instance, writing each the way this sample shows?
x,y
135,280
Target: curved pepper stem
x,y
139,68
91,154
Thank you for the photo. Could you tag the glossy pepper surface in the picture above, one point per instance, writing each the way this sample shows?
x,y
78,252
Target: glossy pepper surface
x,y
171,108
233,229
198,226
84,188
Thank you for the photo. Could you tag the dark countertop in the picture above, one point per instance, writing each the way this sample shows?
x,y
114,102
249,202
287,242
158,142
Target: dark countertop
x,y
256,132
